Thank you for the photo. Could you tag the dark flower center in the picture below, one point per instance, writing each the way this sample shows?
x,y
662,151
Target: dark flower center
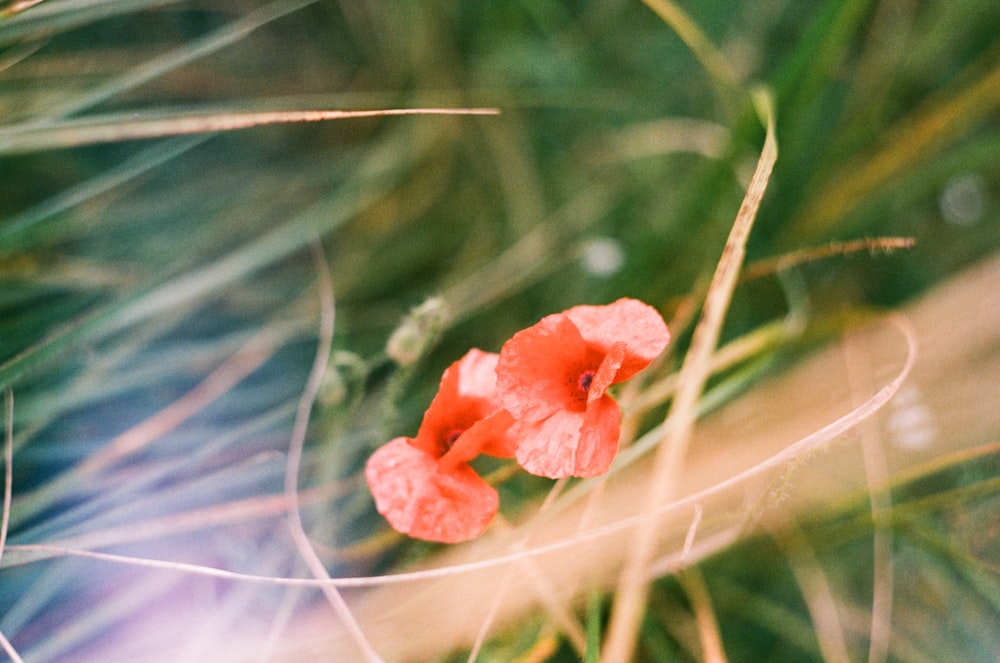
x,y
583,382
452,437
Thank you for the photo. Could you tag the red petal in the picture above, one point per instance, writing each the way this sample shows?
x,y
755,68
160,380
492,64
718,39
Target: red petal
x,y
540,367
608,371
492,436
630,321
598,437
477,374
466,395
581,444
426,501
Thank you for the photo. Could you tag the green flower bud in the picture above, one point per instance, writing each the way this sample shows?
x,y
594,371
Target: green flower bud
x,y
418,332
343,380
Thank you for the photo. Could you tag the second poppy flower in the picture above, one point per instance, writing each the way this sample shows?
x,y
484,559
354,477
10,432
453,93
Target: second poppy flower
x,y
424,486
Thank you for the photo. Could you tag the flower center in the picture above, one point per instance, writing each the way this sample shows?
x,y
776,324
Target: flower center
x,y
583,382
452,437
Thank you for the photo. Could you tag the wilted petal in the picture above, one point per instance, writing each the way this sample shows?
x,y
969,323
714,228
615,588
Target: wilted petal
x,y
569,443
639,326
424,500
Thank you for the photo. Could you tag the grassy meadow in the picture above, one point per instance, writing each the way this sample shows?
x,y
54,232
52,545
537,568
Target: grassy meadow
x,y
227,277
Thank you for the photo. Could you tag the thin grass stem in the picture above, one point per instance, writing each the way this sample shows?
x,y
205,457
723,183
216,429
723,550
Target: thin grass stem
x,y
718,68
484,629
297,442
632,590
18,7
8,463
766,267
53,16
542,588
816,591
694,586
118,127
9,648
192,51
876,475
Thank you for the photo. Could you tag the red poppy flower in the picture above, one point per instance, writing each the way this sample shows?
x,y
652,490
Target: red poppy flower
x,y
552,377
423,485
463,420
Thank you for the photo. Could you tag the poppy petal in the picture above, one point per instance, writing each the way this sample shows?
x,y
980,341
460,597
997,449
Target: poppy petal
x,y
568,443
608,371
599,437
477,374
466,395
540,367
422,499
491,436
630,321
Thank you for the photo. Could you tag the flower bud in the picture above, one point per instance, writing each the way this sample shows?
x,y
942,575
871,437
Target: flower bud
x,y
418,332
343,380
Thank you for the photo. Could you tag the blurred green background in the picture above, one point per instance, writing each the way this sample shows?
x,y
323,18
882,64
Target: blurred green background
x,y
131,269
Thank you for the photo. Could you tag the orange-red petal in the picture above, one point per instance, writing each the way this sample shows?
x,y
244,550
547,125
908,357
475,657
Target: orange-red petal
x,y
570,443
467,394
423,499
639,326
491,436
607,373
540,367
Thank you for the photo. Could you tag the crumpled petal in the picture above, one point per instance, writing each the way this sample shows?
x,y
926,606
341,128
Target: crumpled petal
x,y
639,326
467,394
569,443
421,498
539,369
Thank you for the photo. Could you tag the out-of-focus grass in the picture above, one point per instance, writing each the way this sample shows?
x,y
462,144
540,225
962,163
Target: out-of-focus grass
x,y
131,270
